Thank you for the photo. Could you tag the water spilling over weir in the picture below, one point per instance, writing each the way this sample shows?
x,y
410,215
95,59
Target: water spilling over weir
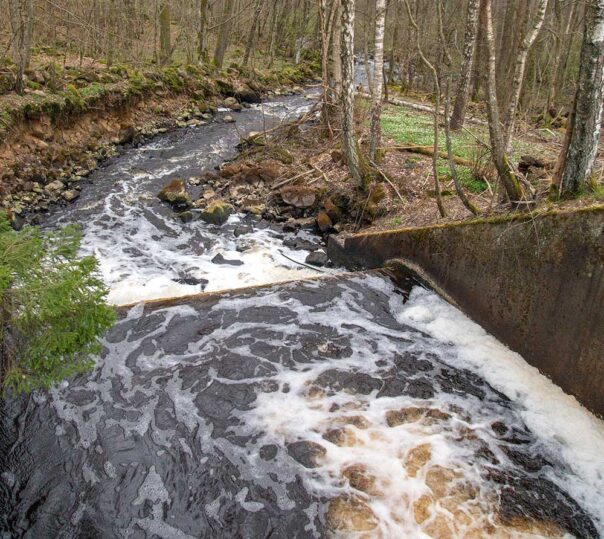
x,y
346,405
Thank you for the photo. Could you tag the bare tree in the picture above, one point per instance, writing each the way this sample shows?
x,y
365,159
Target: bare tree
x,y
249,46
347,98
165,45
378,78
518,78
435,153
500,158
22,21
579,156
465,71
202,32
224,33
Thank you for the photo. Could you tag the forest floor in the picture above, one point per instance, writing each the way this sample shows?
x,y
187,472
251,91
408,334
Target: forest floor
x,y
403,193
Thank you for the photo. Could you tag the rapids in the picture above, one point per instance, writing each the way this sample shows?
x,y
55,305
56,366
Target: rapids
x,y
346,405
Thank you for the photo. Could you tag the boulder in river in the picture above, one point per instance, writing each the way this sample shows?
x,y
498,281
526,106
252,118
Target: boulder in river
x,y
70,195
219,259
228,119
318,258
231,103
216,212
175,193
298,196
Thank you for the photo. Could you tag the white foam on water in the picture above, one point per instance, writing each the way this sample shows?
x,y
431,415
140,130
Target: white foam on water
x,y
427,460
554,416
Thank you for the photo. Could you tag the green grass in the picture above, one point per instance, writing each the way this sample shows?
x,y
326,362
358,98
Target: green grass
x,y
412,127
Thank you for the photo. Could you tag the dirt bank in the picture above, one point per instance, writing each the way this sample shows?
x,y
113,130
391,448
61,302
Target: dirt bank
x,y
52,139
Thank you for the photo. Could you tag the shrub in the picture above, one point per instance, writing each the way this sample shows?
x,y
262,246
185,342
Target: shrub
x,y
52,308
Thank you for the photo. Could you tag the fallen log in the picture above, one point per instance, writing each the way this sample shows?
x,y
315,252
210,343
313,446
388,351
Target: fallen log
x,y
428,150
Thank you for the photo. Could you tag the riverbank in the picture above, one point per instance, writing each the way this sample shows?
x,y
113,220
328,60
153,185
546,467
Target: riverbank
x,y
59,131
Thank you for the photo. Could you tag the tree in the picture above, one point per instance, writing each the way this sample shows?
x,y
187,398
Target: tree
x,y
165,46
465,71
202,32
347,97
500,158
579,154
22,23
252,31
378,78
224,33
433,70
52,307
518,78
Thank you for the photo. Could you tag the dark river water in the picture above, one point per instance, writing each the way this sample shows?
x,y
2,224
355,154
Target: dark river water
x,y
340,406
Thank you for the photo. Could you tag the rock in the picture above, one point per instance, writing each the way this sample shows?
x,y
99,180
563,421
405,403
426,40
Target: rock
x,y
231,103
126,135
219,259
359,478
332,210
298,197
192,281
54,187
324,223
254,209
309,454
228,119
70,195
216,212
242,230
318,258
350,514
300,244
185,216
175,193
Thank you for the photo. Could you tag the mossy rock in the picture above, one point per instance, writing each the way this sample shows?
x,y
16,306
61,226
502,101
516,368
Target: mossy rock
x,y
175,193
216,212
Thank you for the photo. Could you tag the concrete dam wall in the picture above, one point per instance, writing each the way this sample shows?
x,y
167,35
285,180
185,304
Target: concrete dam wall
x,y
535,282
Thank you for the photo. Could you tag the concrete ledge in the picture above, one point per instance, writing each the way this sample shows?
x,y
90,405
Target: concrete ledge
x,y
535,282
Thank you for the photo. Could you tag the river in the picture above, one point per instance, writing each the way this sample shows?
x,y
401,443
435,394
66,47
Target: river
x,y
343,405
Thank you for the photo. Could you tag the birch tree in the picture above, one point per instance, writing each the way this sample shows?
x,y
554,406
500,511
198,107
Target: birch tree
x,y
579,156
378,78
519,69
347,95
465,70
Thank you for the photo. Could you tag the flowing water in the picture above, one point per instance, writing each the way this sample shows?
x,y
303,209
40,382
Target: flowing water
x,y
346,405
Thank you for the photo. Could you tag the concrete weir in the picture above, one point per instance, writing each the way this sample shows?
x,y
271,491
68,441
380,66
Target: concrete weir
x,y
536,282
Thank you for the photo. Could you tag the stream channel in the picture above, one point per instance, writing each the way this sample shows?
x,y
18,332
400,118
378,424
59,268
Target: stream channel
x,y
344,405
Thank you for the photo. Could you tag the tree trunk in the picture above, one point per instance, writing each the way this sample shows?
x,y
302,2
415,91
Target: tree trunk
x,y
202,32
435,152
563,47
465,75
587,116
22,23
224,33
500,158
518,79
378,78
347,97
165,45
251,37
